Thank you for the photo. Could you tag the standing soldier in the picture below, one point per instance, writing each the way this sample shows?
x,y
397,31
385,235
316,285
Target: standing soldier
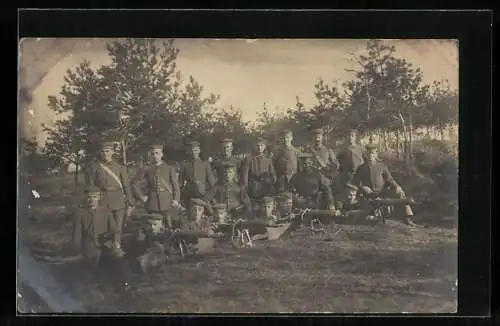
x,y
230,192
257,173
285,162
195,176
325,159
311,186
161,183
227,157
374,178
112,179
350,159
95,231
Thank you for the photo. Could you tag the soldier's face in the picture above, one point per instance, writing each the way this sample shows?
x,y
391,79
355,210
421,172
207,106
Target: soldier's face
x,y
371,155
352,138
195,152
351,195
157,155
286,206
261,147
93,200
197,212
107,154
221,215
228,149
229,175
268,209
318,139
287,140
308,163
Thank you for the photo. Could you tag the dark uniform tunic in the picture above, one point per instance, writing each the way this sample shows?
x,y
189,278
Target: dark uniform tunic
x,y
376,176
258,176
92,230
313,187
162,187
234,195
286,165
116,194
195,178
326,160
349,160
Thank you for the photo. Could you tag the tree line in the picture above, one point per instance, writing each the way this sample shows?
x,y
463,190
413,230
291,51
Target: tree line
x,y
141,97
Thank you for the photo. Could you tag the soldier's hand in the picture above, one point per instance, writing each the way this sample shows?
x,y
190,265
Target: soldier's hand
x,y
175,203
399,190
331,207
338,213
144,198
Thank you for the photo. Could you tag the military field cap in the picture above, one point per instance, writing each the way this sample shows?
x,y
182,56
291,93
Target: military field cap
x,y
228,165
371,147
194,144
350,186
154,217
317,131
219,206
267,200
92,190
286,132
156,146
353,131
197,202
261,140
108,144
285,196
227,140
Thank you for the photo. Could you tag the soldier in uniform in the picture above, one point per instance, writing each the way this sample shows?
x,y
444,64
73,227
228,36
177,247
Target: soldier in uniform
x,y
353,206
220,213
162,186
257,173
285,162
195,176
349,159
285,205
197,218
267,210
112,178
95,231
325,158
311,186
227,156
374,176
231,192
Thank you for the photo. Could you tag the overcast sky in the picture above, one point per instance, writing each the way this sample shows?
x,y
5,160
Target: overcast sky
x,y
245,73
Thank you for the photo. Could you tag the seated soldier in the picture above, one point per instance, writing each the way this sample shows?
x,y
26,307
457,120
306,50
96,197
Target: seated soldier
x,y
374,179
231,193
353,206
311,186
266,215
285,206
221,214
197,218
95,230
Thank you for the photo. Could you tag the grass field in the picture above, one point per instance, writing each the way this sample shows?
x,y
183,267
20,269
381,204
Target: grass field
x,y
364,269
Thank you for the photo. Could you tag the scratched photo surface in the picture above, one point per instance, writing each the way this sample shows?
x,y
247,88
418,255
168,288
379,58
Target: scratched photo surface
x,y
237,175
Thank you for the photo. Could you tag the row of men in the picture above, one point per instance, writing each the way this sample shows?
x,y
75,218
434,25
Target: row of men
x,y
241,184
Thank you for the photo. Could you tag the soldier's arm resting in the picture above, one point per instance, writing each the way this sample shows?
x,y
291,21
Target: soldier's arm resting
x,y
334,162
175,185
324,187
136,183
126,186
210,176
272,172
389,179
245,169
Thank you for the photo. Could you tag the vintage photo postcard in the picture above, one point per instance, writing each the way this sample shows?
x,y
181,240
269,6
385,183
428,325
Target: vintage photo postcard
x,y
238,175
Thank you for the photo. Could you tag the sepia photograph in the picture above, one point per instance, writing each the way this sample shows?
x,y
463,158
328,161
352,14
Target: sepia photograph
x,y
213,175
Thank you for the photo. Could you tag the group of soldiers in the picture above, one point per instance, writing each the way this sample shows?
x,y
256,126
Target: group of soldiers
x,y
228,187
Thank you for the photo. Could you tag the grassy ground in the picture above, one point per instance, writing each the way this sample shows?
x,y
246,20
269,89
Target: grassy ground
x,y
363,269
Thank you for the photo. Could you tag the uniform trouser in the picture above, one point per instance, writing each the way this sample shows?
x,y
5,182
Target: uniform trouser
x,y
283,182
338,186
402,210
93,252
119,216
